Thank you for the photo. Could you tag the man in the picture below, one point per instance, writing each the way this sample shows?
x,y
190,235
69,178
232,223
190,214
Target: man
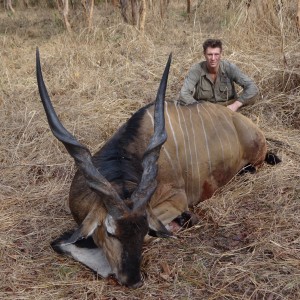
x,y
213,80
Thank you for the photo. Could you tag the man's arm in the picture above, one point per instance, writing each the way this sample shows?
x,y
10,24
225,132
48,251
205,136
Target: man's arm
x,y
235,105
189,84
250,89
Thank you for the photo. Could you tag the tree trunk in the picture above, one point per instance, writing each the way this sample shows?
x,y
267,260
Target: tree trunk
x,y
298,16
65,15
188,7
143,15
124,8
8,6
115,3
88,6
163,7
135,14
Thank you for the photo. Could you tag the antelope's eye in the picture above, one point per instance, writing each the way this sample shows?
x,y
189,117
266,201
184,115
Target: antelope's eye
x,y
110,234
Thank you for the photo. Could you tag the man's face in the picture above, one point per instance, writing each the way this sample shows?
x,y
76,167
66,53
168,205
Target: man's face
x,y
213,57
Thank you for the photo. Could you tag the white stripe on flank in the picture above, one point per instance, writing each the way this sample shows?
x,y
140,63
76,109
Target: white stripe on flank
x,y
173,133
184,135
235,132
206,141
190,150
164,148
179,122
220,141
226,133
196,151
151,117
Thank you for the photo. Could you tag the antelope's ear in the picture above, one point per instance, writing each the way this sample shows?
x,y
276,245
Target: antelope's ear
x,y
68,238
86,229
156,227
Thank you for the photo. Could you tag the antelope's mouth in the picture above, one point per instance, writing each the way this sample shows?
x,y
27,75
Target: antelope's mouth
x,y
86,252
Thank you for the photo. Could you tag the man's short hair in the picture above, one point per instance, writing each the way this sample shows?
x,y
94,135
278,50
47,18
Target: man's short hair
x,y
212,43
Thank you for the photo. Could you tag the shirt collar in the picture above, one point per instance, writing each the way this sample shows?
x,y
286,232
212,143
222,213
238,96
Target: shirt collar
x,y
220,71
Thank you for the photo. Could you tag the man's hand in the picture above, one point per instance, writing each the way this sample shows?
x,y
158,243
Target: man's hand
x,y
235,105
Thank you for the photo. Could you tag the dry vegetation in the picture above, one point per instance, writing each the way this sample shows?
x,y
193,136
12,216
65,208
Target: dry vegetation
x,y
247,245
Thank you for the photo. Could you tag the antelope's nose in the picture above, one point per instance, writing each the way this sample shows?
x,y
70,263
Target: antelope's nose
x,y
137,285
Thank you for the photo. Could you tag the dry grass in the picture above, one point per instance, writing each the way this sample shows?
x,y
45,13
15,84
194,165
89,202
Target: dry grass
x,y
247,245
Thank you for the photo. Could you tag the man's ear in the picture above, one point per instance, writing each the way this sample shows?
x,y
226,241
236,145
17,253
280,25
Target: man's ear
x,y
156,227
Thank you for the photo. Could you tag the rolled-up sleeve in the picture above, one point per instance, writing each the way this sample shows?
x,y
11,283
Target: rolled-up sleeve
x,y
189,84
250,89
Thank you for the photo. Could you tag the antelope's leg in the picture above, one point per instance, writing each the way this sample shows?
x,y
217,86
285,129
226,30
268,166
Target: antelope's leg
x,y
170,208
187,219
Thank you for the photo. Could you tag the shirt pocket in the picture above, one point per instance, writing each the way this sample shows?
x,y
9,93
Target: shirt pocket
x,y
204,90
225,90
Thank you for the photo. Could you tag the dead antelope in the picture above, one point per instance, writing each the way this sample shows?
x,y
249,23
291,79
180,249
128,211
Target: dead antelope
x,y
138,183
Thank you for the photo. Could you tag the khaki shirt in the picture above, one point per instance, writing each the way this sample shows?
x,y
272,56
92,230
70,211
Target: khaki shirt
x,y
198,85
